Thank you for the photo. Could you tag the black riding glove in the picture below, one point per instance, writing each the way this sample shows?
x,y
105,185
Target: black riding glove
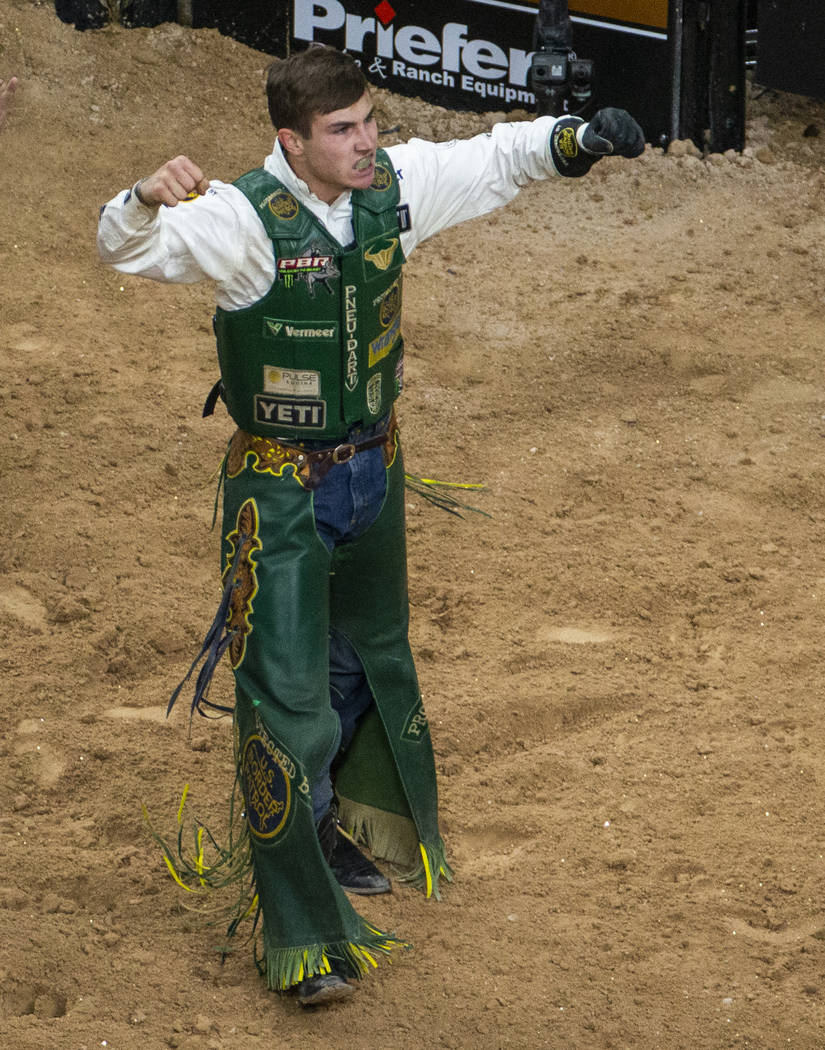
x,y
613,131
575,146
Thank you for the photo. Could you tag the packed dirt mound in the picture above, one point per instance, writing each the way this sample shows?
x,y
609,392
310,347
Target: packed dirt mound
x,y
621,661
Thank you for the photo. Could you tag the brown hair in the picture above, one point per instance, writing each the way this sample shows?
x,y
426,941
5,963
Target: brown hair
x,y
318,80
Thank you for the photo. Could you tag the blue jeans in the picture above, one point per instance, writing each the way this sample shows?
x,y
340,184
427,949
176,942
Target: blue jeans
x,y
346,503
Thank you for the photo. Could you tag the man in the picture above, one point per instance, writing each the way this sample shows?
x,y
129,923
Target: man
x,y
306,254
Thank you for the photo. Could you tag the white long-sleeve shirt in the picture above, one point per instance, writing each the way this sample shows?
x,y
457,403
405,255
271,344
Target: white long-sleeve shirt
x,y
219,236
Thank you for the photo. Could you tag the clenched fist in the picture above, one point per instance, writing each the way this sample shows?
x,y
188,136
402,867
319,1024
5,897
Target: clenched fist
x,y
612,131
172,183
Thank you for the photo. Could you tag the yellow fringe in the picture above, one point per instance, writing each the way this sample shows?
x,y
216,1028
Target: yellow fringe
x,y
450,484
428,892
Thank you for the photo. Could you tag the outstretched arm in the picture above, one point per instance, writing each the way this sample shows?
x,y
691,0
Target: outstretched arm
x,y
450,182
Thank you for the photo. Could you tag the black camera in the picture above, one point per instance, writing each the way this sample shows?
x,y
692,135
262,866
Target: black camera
x,y
561,81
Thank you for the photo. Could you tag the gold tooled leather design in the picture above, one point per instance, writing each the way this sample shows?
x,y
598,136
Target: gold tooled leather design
x,y
270,457
245,585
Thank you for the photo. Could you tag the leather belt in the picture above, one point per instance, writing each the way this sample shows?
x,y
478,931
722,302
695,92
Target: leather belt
x,y
325,458
311,464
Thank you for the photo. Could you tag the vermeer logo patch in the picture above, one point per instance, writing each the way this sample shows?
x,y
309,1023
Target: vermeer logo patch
x,y
274,328
266,786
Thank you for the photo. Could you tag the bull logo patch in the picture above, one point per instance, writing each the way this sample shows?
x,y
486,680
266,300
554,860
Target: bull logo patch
x,y
381,258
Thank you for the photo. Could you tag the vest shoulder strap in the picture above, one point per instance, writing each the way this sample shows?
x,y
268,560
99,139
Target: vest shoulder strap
x,y
279,211
285,219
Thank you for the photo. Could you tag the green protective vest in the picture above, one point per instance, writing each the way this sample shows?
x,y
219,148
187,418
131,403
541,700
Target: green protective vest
x,y
322,350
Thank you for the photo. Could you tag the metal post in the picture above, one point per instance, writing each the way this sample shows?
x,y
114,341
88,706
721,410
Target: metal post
x,y
726,76
708,74
676,15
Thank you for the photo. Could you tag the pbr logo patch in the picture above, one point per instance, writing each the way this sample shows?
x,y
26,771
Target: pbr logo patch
x,y
282,204
267,788
382,179
313,268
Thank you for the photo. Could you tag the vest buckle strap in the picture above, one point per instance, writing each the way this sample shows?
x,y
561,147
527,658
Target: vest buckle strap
x,y
322,460
344,453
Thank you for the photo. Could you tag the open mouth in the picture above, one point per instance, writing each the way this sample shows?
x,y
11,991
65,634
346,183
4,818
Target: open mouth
x,y
363,164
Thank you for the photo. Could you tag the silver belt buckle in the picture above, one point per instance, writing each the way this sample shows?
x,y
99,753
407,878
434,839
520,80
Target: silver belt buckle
x,y
343,453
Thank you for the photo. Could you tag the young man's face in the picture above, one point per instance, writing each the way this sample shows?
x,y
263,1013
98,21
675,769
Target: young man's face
x,y
339,154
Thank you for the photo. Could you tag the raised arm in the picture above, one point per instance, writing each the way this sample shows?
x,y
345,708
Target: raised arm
x,y
175,225
450,182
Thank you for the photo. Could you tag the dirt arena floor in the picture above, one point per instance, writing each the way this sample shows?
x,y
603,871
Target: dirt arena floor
x,y
621,664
